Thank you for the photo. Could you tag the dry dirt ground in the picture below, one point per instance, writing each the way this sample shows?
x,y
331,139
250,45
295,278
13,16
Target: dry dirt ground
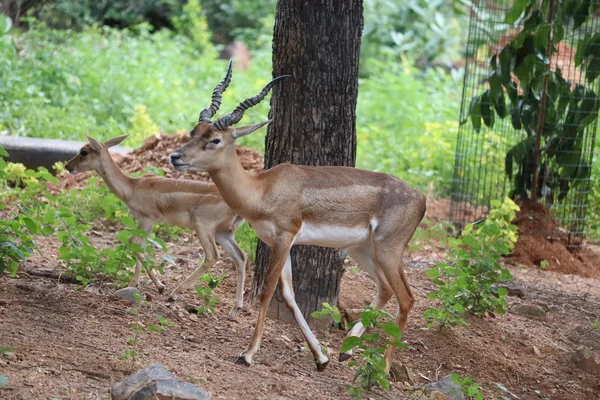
x,y
67,342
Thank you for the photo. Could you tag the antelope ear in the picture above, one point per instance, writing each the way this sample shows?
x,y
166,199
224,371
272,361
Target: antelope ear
x,y
115,141
246,130
96,145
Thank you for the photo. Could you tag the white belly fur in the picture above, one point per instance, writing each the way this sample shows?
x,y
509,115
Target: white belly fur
x,y
338,237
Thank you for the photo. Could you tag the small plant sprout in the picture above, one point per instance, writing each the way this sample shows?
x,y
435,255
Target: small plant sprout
x,y
544,264
370,366
467,281
208,284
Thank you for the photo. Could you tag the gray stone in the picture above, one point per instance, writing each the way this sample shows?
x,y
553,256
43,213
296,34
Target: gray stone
x,y
584,359
530,310
155,382
447,386
130,294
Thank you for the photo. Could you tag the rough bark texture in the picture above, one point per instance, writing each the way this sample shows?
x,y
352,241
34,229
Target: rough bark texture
x,y
314,123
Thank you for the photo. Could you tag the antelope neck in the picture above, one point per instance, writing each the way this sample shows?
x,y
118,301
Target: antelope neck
x,y
115,179
238,187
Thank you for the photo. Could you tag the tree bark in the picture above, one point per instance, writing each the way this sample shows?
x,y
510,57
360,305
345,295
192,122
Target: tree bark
x,y
317,42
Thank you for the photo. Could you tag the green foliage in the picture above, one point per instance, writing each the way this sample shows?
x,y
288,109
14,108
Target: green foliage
x,y
76,14
467,281
412,139
596,325
470,389
22,224
205,293
521,71
63,84
192,23
544,264
245,20
423,30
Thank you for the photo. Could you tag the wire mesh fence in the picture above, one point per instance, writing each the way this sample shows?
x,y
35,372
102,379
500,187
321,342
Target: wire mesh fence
x,y
529,112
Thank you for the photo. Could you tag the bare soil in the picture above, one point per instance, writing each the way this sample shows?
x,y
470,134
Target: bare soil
x,y
68,342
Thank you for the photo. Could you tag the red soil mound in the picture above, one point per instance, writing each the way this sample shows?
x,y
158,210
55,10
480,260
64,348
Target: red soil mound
x,y
542,239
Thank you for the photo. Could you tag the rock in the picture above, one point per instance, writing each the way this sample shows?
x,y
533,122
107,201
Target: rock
x,y
584,359
155,382
401,373
530,310
447,387
130,294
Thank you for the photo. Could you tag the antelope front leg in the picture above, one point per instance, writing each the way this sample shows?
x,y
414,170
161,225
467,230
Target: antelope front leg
x,y
287,290
280,250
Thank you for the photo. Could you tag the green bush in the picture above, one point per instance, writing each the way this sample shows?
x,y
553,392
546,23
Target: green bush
x,y
66,84
427,31
467,282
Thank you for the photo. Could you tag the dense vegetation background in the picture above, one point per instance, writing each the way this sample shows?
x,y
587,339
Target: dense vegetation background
x,y
105,68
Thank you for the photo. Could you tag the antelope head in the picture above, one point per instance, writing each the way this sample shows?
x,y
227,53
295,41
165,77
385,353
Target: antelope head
x,y
211,142
90,157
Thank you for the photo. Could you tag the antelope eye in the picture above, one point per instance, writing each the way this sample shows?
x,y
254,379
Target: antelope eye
x,y
216,141
84,153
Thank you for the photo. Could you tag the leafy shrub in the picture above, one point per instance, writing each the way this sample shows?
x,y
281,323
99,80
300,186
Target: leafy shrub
x,y
467,282
424,30
76,14
370,368
65,84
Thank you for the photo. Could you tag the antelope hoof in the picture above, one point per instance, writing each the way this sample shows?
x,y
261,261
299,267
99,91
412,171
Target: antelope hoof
x,y
345,357
241,360
233,313
161,289
321,366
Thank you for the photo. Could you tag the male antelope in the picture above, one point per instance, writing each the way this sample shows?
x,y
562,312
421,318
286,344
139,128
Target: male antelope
x,y
372,215
184,203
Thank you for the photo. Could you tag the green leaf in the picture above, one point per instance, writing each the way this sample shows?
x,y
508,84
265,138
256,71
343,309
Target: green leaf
x,y
392,329
3,152
47,230
486,109
123,236
502,292
349,343
515,115
516,11
31,225
507,63
433,272
475,113
5,24
592,68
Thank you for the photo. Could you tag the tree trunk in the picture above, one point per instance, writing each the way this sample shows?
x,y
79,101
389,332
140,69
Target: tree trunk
x,y
314,123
